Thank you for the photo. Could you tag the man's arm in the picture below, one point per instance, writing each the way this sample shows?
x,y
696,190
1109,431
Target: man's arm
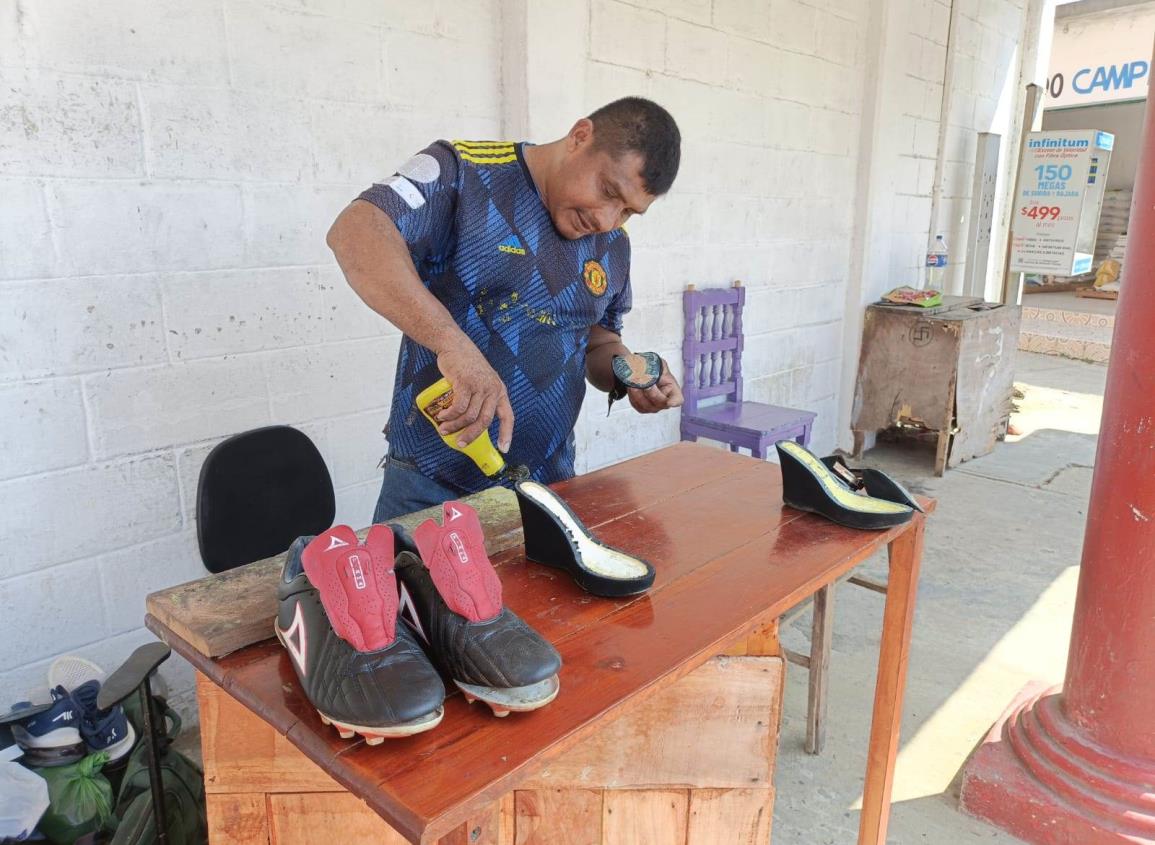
x,y
601,348
376,262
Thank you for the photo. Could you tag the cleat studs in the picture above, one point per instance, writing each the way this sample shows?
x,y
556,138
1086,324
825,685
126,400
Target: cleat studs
x,y
373,739
469,699
325,720
499,713
344,734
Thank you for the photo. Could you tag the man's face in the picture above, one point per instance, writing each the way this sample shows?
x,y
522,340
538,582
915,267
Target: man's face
x,y
593,191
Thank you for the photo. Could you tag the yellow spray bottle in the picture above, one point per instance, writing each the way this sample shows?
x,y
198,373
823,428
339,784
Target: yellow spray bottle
x,y
436,398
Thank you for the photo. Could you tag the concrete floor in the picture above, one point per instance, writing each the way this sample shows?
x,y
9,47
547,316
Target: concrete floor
x,y
994,611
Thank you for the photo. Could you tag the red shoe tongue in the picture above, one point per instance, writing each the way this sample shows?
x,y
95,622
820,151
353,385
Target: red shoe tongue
x,y
454,552
356,584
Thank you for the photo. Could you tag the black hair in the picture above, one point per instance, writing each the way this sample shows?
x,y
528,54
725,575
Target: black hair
x,y
635,124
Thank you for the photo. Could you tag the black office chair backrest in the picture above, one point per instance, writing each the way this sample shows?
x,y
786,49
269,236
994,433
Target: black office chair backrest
x,y
258,492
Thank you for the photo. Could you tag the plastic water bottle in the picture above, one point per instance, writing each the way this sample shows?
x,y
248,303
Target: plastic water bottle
x,y
936,264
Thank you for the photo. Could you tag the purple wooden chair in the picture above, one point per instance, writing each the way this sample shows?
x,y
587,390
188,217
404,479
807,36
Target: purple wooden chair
x,y
712,355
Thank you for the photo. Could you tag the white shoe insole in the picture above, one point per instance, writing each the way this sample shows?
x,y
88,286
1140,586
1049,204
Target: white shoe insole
x,y
837,491
609,563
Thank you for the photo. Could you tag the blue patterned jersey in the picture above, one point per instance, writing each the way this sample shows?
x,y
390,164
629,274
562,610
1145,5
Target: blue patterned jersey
x,y
484,244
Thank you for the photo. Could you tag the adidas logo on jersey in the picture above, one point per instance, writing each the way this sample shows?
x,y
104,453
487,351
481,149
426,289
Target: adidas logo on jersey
x,y
511,245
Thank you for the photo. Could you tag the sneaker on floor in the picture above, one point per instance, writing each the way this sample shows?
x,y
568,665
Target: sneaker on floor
x,y
363,672
51,737
103,730
451,595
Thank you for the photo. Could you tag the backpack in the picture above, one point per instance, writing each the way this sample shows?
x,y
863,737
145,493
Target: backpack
x,y
184,794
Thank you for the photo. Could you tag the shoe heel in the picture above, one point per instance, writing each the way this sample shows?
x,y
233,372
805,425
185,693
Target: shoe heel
x,y
546,542
799,486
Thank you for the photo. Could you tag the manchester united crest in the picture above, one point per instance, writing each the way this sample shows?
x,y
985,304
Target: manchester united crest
x,y
594,275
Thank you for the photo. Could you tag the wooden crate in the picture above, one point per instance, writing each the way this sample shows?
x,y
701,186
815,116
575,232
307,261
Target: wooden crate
x,y
692,766
947,370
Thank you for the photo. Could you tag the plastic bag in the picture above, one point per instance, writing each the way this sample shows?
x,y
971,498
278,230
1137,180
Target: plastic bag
x,y
23,798
79,799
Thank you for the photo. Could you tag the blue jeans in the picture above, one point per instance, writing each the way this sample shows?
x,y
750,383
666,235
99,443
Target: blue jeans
x,y
405,490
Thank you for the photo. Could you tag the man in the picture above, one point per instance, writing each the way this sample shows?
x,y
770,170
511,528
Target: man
x,y
508,271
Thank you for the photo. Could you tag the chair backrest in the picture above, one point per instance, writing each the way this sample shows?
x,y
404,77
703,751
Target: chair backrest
x,y
712,344
258,492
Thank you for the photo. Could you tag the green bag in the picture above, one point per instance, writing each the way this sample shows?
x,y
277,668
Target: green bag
x,y
184,795
79,799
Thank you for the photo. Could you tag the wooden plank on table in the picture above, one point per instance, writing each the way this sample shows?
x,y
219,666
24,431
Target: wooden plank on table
x,y
732,816
645,816
558,817
242,754
712,728
336,817
239,819
220,614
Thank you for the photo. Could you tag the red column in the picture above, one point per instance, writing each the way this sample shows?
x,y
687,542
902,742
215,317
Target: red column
x,y
1077,766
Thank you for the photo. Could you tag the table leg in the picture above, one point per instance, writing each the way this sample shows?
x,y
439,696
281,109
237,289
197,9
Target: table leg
x,y
821,631
897,619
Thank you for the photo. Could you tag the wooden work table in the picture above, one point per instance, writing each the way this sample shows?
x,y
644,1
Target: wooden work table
x,y
730,559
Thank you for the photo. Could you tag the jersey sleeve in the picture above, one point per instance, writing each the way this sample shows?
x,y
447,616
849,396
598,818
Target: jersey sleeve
x,y
421,200
623,298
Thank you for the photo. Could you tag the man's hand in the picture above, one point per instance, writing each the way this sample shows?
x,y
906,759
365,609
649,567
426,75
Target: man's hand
x,y
665,394
378,266
478,395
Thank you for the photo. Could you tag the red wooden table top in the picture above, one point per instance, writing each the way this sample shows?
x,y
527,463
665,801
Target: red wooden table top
x,y
729,557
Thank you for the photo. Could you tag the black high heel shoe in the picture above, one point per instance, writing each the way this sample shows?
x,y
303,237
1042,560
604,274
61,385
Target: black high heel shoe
x,y
554,536
809,484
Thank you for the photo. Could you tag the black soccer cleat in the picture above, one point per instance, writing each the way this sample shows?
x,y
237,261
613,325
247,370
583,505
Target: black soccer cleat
x,y
809,484
451,595
363,672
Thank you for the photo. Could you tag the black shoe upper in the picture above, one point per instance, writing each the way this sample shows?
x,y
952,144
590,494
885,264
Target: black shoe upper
x,y
500,652
379,688
876,483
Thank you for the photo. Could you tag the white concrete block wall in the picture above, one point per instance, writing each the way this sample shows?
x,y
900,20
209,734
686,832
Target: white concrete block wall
x,y
924,42
764,93
985,60
168,173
